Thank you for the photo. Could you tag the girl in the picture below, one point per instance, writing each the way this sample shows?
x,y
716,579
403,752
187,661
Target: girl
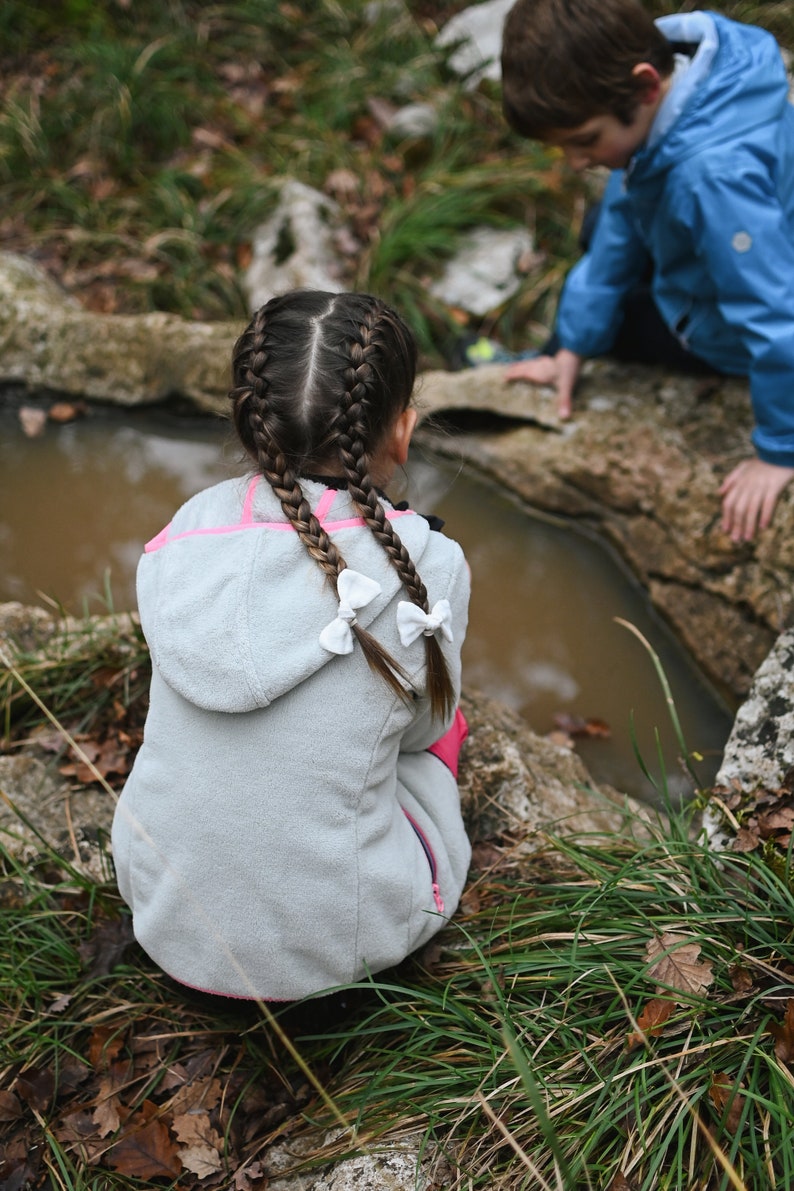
x,y
292,820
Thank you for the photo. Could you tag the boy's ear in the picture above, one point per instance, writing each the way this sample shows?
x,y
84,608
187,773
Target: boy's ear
x,y
648,82
401,435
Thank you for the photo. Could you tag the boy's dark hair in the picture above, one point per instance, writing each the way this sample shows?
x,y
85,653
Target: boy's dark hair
x,y
565,61
318,380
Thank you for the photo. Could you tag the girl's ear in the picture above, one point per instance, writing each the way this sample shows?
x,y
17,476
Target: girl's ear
x,y
400,437
648,82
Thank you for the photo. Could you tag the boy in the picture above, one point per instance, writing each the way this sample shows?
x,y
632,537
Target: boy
x,y
691,114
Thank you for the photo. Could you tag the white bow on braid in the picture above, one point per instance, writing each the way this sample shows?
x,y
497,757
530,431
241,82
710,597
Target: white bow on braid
x,y
413,622
355,591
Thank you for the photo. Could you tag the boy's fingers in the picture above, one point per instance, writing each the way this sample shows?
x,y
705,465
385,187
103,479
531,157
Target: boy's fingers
x,y
568,366
541,371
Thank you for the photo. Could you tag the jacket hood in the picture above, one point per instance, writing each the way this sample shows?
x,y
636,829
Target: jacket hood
x,y
736,82
231,603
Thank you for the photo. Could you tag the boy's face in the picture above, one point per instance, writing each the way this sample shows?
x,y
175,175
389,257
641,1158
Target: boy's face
x,y
602,140
606,140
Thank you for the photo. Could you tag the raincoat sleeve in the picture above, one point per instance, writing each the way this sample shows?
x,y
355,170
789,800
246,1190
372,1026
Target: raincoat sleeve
x,y
591,305
747,247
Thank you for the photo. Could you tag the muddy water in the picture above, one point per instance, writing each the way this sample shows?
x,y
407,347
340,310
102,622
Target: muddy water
x,y
77,503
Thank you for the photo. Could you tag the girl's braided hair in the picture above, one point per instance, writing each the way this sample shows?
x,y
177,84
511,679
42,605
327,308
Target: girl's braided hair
x,y
318,381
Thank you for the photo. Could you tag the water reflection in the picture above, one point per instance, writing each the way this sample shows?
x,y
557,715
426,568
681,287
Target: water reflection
x,y
81,500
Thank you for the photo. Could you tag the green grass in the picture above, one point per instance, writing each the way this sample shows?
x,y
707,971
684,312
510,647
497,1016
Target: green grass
x,y
535,1043
506,1045
142,144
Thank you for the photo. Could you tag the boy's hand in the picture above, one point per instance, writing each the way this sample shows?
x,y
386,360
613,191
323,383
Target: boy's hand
x,y
561,370
749,495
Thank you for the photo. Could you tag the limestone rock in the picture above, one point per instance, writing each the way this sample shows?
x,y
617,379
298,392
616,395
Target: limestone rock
x,y
295,248
47,341
639,465
38,805
477,34
484,271
760,749
516,783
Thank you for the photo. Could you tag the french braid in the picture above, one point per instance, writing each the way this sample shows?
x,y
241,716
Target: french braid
x,y
353,455
251,416
319,379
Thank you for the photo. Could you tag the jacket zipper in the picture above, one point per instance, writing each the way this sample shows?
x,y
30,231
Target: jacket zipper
x,y
431,860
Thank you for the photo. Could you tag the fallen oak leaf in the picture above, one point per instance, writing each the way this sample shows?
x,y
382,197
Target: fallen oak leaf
x,y
244,1176
203,1093
745,840
145,1151
104,1046
201,1160
36,1087
10,1108
674,964
725,1095
621,1183
201,1143
110,1113
100,953
781,818
60,1003
784,1035
741,979
651,1021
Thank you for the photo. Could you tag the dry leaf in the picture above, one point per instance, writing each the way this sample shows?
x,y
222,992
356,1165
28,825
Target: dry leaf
x,y
784,1035
107,1117
724,1093
779,819
104,1046
66,411
36,1087
745,840
60,1003
146,1151
10,1108
201,1160
203,1093
244,1175
674,963
201,1143
741,979
651,1021
110,1113
577,725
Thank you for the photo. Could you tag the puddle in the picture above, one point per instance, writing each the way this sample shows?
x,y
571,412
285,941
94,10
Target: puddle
x,y
78,503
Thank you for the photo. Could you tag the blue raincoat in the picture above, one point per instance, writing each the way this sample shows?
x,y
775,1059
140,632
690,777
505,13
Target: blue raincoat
x,y
709,199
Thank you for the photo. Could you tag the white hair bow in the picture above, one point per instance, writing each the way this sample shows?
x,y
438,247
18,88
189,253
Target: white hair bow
x,y
413,622
355,591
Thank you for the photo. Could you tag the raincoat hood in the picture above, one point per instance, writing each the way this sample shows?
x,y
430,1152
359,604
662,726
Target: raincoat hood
x,y
735,85
228,642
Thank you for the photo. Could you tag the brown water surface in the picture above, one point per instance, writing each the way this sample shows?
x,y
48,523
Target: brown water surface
x,y
77,504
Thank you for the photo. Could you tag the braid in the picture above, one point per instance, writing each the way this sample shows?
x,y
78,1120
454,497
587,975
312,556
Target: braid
x,y
351,440
250,412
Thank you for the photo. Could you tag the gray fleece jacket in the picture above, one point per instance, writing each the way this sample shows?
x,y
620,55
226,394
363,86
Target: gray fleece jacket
x,y
283,827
